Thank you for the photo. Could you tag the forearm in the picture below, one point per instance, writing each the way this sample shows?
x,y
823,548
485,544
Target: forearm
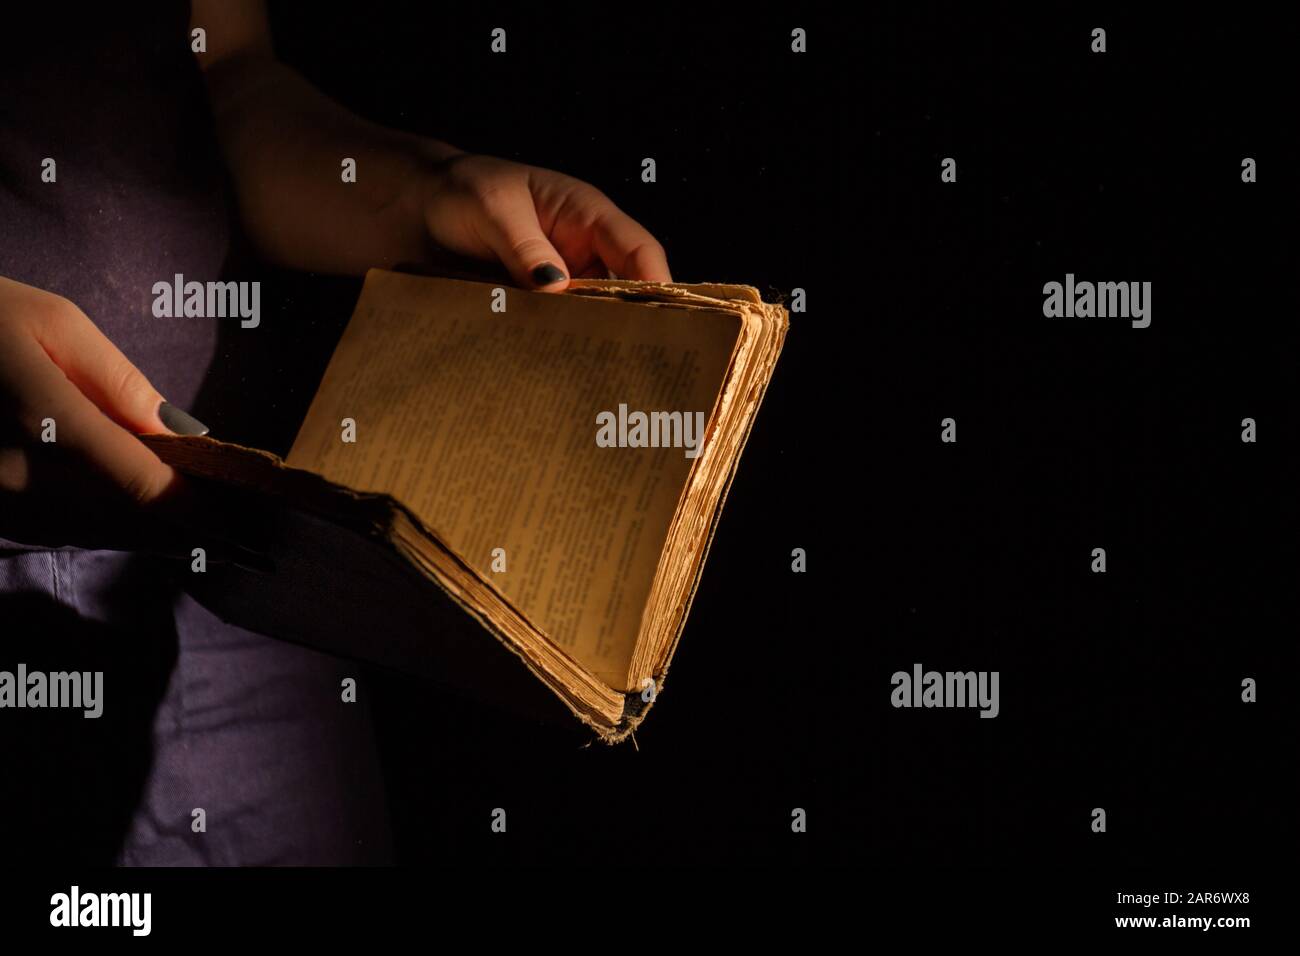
x,y
285,143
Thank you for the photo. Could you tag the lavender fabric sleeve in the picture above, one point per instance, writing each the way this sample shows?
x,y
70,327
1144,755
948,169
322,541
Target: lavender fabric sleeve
x,y
197,715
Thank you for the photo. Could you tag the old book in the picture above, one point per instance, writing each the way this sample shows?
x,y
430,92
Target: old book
x,y
494,484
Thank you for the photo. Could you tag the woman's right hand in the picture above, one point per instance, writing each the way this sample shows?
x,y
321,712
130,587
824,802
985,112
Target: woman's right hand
x,y
95,484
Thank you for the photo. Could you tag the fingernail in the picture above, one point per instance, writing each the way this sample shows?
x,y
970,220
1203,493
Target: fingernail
x,y
547,274
180,422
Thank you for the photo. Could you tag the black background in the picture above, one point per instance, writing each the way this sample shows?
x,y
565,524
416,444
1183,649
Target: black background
x,y
821,171
1120,690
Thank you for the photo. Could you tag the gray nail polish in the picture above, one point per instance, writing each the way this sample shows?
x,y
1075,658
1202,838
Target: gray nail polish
x,y
180,422
546,274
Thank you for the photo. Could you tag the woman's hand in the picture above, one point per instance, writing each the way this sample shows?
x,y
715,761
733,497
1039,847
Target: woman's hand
x,y
283,141
543,226
71,469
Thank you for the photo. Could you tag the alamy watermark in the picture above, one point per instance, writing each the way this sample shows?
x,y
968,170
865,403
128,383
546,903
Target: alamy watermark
x,y
75,908
624,429
946,689
1098,300
76,690
208,300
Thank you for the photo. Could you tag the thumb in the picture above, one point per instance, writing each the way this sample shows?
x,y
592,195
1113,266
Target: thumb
x,y
511,229
104,375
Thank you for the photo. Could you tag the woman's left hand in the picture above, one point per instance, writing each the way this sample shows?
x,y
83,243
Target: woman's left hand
x,y
543,226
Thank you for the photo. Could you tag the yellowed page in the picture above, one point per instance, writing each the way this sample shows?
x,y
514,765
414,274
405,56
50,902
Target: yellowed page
x,y
484,424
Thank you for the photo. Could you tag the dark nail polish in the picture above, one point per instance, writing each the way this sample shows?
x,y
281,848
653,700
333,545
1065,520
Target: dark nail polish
x,y
180,422
547,274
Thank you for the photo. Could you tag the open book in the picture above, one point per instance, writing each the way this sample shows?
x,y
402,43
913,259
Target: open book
x,y
484,466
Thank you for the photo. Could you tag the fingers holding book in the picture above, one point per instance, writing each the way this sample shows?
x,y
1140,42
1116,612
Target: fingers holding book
x,y
543,226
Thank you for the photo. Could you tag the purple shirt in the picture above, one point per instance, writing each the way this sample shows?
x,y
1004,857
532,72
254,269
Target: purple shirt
x,y
198,715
